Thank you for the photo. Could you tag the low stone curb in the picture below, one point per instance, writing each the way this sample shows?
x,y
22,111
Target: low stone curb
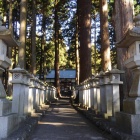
x,y
26,127
105,125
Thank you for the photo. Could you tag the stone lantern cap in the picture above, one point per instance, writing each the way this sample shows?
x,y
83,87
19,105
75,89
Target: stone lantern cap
x,y
115,71
101,74
18,70
114,76
103,77
131,35
7,36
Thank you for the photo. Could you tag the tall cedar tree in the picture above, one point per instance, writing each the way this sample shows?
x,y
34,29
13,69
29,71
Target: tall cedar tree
x,y
57,83
84,15
23,17
77,51
105,44
33,40
123,14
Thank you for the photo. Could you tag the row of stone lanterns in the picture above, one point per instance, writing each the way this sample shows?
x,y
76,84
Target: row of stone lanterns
x,y
101,93
29,93
108,85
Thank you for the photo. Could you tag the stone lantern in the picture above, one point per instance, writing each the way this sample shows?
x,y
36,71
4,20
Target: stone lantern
x,y
112,88
129,118
8,120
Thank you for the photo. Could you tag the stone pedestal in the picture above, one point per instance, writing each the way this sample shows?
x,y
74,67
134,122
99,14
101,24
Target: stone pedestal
x,y
47,91
108,99
98,99
96,94
32,90
92,97
131,108
128,123
37,97
42,95
88,104
81,94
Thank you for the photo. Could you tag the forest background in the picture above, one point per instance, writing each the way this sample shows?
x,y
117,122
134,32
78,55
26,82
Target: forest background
x,y
51,19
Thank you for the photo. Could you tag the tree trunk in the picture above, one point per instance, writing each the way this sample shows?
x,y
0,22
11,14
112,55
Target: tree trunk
x,y
105,44
23,17
77,52
33,39
57,82
84,15
123,14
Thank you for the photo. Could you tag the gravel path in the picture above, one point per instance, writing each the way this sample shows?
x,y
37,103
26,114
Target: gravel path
x,y
63,122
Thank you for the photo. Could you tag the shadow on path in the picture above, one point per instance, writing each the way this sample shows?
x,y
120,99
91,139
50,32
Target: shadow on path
x,y
63,122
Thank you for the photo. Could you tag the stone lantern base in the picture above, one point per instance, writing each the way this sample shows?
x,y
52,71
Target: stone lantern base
x,y
8,120
129,123
129,119
9,123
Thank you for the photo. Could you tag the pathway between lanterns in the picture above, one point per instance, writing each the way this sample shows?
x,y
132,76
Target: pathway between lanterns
x,y
63,122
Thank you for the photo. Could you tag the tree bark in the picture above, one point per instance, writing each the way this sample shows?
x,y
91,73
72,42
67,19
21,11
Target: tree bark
x,y
105,43
123,20
57,82
33,39
22,48
84,15
77,52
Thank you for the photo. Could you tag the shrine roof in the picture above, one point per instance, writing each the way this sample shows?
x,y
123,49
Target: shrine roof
x,y
64,73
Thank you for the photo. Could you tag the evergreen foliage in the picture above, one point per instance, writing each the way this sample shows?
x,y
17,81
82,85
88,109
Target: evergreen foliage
x,y
67,25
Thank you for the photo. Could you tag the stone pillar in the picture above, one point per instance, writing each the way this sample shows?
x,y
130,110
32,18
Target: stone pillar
x,y
54,93
84,95
91,93
114,91
95,93
95,98
47,93
28,95
32,94
88,95
80,95
98,96
102,93
19,104
108,96
41,93
36,94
